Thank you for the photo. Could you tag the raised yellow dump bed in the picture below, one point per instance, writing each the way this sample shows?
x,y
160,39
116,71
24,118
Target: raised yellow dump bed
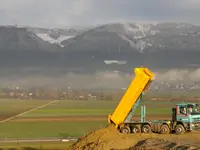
x,y
143,78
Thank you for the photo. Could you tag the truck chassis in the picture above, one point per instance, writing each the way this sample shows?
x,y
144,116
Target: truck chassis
x,y
157,126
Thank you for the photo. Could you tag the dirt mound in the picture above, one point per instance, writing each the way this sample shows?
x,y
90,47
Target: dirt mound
x,y
106,138
160,144
110,139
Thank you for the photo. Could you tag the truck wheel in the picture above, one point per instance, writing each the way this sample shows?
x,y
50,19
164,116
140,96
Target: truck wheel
x,y
146,128
179,129
125,130
136,129
164,129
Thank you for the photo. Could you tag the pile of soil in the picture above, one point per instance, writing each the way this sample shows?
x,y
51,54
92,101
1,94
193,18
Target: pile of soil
x,y
110,139
160,144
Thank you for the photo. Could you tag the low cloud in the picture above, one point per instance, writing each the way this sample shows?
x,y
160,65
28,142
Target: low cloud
x,y
99,79
73,80
183,75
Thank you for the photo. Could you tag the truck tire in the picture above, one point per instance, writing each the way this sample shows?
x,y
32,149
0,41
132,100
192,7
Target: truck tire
x,y
179,129
125,130
164,129
146,128
136,129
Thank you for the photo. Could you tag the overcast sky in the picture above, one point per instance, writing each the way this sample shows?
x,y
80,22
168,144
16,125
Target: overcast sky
x,y
68,13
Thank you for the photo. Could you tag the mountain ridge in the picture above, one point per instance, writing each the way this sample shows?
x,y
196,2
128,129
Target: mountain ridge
x,y
140,37
158,45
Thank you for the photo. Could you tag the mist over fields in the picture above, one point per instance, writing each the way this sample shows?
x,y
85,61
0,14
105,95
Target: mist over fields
x,y
60,78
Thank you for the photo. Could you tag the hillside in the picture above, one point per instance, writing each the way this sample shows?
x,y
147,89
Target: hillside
x,y
107,47
129,37
14,39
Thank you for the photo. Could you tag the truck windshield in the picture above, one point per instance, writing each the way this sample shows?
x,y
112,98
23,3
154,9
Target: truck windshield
x,y
192,109
195,109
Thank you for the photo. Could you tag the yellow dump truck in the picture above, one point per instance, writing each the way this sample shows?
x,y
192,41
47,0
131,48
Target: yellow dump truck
x,y
131,99
122,115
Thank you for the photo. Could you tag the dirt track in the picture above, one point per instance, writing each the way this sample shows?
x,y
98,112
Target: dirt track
x,y
110,139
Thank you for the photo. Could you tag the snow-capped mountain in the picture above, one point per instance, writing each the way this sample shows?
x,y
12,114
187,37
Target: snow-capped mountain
x,y
121,37
58,40
55,36
20,39
142,37
112,46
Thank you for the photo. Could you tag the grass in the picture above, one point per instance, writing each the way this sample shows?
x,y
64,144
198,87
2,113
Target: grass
x,y
76,108
69,112
27,129
48,129
37,145
14,106
95,112
95,108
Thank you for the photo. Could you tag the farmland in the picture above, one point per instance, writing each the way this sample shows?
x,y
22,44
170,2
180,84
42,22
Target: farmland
x,y
10,107
65,118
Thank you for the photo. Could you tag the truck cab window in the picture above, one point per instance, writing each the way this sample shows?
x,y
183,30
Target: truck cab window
x,y
190,109
183,110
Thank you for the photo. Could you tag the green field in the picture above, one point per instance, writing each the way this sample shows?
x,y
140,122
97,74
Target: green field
x,y
34,146
28,125
96,108
64,118
10,107
48,129
76,108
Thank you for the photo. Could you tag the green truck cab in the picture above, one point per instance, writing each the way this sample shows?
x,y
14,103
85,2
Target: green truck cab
x,y
185,117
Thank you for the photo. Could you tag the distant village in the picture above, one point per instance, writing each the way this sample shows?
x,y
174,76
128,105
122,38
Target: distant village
x,y
15,92
69,93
